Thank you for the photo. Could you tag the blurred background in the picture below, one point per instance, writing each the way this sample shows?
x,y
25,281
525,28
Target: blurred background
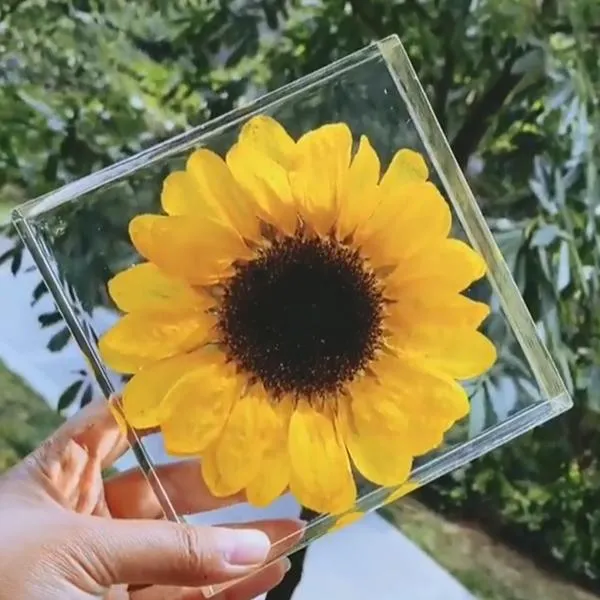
x,y
516,87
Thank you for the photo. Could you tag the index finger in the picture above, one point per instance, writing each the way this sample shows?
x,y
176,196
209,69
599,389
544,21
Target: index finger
x,y
128,495
98,429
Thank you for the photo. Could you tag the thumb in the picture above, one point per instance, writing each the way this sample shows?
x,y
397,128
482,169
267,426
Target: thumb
x,y
164,553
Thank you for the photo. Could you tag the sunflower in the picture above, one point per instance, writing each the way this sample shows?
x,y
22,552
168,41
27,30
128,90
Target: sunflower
x,y
298,319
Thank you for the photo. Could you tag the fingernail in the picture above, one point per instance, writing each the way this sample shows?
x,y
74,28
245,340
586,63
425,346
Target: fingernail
x,y
246,547
287,565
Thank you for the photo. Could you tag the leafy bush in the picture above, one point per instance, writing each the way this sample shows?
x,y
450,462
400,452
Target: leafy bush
x,y
538,496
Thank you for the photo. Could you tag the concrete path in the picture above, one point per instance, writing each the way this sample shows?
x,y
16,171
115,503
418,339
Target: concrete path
x,y
369,559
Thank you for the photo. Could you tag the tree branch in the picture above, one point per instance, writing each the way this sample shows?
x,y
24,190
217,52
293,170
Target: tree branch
x,y
419,9
444,83
483,110
285,590
370,21
442,88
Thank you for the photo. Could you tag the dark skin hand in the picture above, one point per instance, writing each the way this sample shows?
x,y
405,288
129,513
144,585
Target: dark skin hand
x,y
68,534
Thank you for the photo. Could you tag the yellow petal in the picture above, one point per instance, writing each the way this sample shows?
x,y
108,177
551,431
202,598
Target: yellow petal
x,y
198,251
240,447
406,166
416,216
428,435
269,138
266,181
359,198
115,407
459,352
215,183
144,394
418,390
320,475
272,480
382,412
181,195
403,490
319,173
347,519
451,263
274,475
217,486
141,338
374,405
200,404
425,303
146,287
382,457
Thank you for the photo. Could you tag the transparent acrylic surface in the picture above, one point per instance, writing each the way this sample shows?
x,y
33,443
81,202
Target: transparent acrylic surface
x,y
376,93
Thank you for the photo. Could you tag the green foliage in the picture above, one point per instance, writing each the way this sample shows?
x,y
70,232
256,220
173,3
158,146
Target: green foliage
x,y
515,85
536,495
489,569
25,419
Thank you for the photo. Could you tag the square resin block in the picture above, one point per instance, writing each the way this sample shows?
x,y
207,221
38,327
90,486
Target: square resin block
x,y
300,299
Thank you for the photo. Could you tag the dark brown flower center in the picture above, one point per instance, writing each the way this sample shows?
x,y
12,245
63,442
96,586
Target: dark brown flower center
x,y
303,317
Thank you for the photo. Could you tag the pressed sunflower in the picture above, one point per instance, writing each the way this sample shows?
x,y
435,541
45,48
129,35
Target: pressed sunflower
x,y
299,317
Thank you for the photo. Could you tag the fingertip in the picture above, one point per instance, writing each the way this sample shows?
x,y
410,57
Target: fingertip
x,y
286,564
244,547
260,582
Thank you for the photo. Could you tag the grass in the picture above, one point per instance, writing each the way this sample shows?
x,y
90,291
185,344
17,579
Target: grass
x,y
25,419
490,570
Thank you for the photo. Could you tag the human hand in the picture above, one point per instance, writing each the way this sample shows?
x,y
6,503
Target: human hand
x,y
67,534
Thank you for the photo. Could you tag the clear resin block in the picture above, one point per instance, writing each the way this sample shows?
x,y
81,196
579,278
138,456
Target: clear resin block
x,y
305,299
